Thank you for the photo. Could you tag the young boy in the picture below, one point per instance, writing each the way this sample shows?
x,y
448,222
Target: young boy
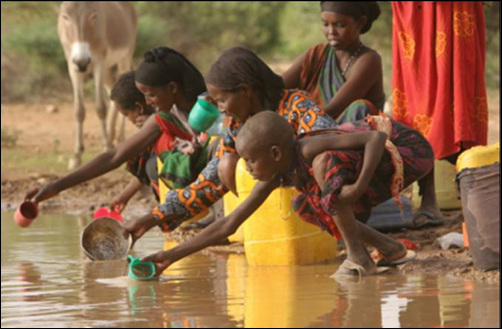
x,y
131,103
335,171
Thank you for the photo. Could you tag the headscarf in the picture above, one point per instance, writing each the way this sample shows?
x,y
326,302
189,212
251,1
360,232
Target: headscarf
x,y
356,9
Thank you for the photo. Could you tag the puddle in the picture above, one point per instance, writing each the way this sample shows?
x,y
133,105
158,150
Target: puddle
x,y
47,281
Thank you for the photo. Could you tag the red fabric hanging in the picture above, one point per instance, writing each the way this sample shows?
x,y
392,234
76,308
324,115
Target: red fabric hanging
x,y
438,84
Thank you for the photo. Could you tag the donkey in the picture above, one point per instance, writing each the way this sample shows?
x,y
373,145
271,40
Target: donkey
x,y
96,36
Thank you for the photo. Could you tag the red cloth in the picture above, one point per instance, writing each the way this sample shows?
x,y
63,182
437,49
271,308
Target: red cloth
x,y
167,141
438,84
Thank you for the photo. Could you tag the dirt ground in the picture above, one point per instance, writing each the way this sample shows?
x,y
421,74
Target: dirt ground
x,y
44,144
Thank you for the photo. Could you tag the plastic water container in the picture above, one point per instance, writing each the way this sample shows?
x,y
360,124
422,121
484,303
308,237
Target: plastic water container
x,y
279,297
230,202
446,188
479,178
275,235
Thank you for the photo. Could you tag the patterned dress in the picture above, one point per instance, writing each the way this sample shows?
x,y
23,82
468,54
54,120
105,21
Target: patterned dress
x,y
344,166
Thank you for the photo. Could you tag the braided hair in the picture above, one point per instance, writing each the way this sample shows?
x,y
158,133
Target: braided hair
x,y
162,65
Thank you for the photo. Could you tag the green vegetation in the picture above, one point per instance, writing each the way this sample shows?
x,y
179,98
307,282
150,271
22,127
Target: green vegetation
x,y
9,139
33,65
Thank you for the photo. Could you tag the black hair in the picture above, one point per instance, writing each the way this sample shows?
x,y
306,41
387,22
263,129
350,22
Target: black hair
x,y
163,65
125,93
240,66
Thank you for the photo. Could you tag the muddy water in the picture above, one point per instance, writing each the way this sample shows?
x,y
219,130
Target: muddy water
x,y
48,282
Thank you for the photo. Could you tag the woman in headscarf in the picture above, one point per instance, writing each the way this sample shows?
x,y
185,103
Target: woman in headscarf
x,y
343,75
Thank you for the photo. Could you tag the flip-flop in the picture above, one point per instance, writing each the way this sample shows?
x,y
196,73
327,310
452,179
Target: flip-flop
x,y
349,268
430,220
410,255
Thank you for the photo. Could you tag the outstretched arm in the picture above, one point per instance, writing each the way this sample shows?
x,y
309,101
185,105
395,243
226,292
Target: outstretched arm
x,y
120,201
218,230
101,164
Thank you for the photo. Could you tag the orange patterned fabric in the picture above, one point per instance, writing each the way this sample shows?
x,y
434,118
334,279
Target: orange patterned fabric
x,y
382,123
438,85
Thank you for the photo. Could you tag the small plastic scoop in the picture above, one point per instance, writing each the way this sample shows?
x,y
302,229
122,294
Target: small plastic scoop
x,y
202,115
140,271
26,213
107,212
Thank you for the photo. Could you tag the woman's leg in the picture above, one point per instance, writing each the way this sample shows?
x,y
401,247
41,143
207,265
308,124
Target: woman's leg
x,y
429,203
390,248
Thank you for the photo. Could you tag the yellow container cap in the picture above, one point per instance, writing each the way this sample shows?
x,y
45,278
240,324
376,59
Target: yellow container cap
x,y
479,156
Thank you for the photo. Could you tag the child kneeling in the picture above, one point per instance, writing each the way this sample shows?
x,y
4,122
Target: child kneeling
x,y
342,173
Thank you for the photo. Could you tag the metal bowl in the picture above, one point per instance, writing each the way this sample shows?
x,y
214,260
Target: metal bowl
x,y
103,239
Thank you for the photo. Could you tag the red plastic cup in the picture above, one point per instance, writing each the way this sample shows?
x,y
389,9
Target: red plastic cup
x,y
26,213
106,212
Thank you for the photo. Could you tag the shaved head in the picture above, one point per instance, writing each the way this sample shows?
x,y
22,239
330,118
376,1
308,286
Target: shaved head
x,y
264,130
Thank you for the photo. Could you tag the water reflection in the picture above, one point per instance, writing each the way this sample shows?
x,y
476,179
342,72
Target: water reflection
x,y
47,281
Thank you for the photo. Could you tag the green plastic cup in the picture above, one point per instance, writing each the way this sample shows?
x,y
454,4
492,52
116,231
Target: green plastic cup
x,y
140,271
202,115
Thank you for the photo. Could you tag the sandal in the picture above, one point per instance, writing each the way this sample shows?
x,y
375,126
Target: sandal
x,y
408,256
430,220
349,268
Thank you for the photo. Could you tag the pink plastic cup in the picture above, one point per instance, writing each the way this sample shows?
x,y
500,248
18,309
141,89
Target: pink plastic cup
x,y
26,213
106,212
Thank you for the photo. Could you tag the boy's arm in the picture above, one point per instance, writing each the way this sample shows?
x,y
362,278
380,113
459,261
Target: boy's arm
x,y
218,230
373,143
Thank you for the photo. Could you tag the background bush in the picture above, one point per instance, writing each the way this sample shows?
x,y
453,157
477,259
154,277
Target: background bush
x,y
33,65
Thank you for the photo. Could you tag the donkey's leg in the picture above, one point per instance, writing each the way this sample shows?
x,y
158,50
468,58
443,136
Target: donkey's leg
x,y
109,80
77,81
125,65
100,102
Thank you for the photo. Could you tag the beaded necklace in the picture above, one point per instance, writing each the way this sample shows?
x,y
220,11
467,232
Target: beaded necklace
x,y
349,62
